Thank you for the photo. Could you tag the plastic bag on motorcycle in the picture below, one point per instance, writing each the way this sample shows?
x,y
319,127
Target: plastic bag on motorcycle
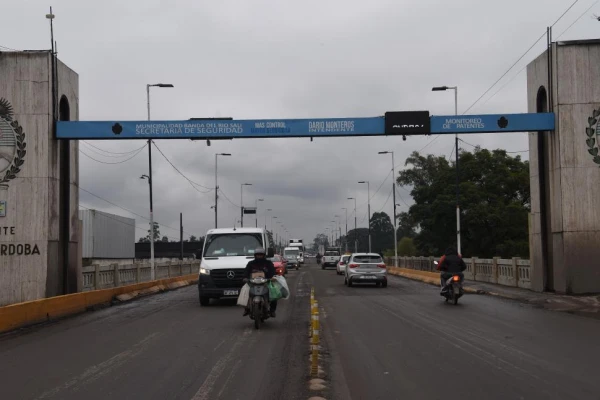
x,y
282,283
274,291
244,296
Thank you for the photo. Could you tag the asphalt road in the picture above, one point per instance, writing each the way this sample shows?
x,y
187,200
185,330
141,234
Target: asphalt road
x,y
404,342
163,347
399,342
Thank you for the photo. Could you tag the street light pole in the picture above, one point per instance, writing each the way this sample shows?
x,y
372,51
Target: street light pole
x,y
355,232
152,270
346,237
242,202
266,214
217,187
395,215
369,209
256,210
455,88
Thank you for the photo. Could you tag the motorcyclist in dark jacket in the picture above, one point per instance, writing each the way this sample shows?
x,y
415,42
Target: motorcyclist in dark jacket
x,y
261,264
450,264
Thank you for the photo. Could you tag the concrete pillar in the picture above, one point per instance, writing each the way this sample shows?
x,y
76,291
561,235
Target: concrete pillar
x,y
564,172
39,176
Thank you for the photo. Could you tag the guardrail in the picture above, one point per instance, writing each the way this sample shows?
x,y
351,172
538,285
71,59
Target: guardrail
x,y
109,276
513,272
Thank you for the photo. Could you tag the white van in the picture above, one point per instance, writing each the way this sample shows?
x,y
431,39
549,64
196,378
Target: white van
x,y
225,255
292,255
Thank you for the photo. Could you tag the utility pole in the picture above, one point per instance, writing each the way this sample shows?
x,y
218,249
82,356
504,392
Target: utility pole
x,y
395,214
217,187
455,88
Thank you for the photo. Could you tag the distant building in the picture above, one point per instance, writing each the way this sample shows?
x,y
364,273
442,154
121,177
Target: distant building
x,y
107,236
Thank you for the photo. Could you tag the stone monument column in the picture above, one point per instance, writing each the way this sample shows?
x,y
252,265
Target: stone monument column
x,y
565,169
39,178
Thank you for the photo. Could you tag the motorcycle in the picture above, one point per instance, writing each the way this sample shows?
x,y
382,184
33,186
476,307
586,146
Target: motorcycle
x,y
319,260
259,300
453,288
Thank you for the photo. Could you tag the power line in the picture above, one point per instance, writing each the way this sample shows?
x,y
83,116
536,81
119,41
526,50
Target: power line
x,y
115,155
519,59
577,20
401,198
126,209
113,152
525,66
388,199
191,182
125,223
227,198
117,162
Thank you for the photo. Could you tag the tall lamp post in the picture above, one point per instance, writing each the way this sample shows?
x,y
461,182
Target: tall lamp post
x,y
369,209
455,88
266,214
346,237
256,206
217,187
242,201
149,176
394,192
355,232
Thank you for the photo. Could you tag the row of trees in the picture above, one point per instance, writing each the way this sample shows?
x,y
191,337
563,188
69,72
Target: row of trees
x,y
158,238
494,199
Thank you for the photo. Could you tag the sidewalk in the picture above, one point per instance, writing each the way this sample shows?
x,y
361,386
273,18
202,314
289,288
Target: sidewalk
x,y
582,305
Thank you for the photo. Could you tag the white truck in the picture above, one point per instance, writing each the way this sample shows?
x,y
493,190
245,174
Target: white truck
x,y
297,243
224,259
331,257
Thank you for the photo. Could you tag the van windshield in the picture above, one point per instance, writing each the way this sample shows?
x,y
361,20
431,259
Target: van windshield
x,y
332,253
232,244
291,253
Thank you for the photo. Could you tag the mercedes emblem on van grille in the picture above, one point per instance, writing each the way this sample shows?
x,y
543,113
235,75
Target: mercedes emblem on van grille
x,y
230,274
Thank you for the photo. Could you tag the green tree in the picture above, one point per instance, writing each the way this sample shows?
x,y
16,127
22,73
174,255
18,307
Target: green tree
x,y
193,238
165,239
362,236
406,226
320,240
494,200
156,232
406,247
382,233
144,240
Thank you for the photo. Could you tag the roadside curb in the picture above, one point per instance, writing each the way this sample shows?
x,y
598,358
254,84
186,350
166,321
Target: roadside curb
x,y
558,303
21,315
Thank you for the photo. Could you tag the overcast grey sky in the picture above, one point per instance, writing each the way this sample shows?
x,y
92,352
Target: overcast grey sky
x,y
269,59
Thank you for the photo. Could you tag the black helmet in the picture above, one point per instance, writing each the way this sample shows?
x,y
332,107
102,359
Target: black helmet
x,y
451,251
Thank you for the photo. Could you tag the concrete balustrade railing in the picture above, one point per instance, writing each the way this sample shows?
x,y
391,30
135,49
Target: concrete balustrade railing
x,y
109,276
513,272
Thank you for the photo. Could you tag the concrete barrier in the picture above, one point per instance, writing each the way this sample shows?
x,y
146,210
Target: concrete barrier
x,y
21,315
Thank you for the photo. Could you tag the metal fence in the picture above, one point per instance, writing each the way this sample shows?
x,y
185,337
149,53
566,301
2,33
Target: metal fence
x,y
114,275
513,272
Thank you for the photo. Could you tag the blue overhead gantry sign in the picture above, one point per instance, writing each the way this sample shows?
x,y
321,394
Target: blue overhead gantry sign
x,y
393,123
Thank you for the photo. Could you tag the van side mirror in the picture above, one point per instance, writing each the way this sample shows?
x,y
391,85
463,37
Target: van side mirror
x,y
270,252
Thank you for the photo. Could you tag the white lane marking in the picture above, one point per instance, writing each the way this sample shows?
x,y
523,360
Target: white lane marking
x,y
97,371
215,373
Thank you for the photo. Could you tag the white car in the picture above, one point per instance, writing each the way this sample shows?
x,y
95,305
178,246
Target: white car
x,y
341,265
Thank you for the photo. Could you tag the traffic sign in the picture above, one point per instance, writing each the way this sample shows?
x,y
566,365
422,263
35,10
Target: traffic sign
x,y
394,123
492,123
407,123
215,129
